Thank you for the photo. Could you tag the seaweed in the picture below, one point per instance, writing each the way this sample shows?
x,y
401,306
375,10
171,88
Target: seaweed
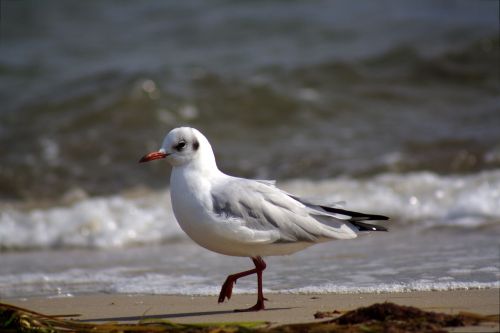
x,y
381,317
16,319
326,314
390,317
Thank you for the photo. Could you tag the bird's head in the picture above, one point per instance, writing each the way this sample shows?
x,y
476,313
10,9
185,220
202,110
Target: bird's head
x,y
181,146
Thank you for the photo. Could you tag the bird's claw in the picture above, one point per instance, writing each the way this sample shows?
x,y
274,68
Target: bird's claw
x,y
226,290
257,307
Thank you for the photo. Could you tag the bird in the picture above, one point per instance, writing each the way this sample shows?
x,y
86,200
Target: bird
x,y
245,217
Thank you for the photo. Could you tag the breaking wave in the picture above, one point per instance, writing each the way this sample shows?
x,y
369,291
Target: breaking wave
x,y
423,199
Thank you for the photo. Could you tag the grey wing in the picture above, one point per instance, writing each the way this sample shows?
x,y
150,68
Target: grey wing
x,y
261,207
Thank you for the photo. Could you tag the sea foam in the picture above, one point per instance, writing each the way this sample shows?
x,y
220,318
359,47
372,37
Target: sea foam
x,y
425,199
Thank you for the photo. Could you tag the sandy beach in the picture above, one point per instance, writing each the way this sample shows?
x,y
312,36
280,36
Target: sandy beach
x,y
281,308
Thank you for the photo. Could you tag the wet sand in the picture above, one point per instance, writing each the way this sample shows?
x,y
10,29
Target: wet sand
x,y
281,308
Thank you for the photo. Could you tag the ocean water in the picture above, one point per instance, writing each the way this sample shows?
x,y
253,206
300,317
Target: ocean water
x,y
390,107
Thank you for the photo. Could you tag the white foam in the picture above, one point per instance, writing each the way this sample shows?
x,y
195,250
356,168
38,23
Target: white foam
x,y
120,280
464,201
423,198
98,222
419,285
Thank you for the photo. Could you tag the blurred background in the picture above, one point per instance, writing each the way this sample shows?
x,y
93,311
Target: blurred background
x,y
392,106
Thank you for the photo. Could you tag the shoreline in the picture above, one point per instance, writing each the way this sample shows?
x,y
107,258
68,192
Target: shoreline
x,y
281,308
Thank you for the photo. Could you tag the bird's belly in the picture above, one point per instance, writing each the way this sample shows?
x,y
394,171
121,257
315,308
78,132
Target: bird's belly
x,y
211,234
213,241
199,225
200,229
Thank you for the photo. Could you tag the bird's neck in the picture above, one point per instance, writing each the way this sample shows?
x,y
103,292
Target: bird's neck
x,y
204,165
194,179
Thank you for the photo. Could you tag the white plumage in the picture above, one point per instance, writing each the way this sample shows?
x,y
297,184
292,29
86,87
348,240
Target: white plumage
x,y
244,217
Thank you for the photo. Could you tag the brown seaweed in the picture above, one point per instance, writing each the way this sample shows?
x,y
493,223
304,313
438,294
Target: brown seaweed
x,y
382,317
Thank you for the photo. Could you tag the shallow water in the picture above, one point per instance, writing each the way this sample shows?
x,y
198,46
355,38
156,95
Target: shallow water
x,y
392,107
443,235
402,260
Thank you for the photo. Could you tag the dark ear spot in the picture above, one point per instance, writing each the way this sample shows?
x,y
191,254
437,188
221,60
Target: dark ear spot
x,y
196,145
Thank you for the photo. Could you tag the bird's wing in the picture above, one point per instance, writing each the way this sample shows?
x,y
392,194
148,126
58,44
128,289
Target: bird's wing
x,y
263,209
355,218
271,183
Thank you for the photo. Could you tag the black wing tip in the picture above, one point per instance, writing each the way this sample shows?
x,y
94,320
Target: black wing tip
x,y
356,216
379,217
368,227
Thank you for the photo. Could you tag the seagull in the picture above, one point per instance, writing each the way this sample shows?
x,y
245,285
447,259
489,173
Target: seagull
x,y
244,217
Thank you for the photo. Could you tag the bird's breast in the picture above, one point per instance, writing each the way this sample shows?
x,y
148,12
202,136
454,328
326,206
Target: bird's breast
x,y
192,204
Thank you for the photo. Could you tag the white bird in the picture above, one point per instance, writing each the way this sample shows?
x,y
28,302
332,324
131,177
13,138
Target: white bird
x,y
243,217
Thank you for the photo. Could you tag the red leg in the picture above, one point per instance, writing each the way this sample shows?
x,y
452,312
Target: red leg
x,y
227,287
260,266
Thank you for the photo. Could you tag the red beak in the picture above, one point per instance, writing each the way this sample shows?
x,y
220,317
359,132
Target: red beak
x,y
156,155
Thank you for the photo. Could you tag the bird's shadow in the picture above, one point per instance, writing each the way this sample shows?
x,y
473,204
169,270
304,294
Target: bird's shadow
x,y
171,315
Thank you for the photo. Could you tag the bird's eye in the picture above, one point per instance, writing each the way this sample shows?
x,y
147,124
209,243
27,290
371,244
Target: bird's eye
x,y
181,145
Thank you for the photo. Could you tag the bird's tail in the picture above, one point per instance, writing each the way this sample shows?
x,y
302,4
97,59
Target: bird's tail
x,y
356,219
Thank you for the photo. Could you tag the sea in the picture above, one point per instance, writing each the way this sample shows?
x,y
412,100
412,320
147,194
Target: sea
x,y
386,107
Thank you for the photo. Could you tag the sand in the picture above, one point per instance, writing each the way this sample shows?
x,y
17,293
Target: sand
x,y
281,308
